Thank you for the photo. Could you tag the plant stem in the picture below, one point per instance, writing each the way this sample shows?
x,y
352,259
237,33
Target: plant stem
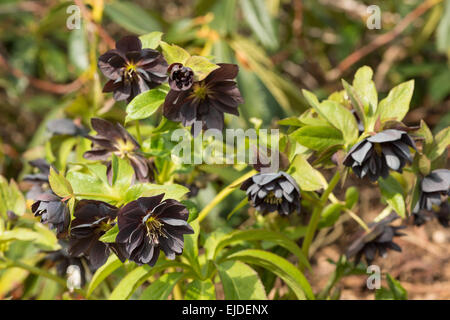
x,y
315,218
138,133
223,194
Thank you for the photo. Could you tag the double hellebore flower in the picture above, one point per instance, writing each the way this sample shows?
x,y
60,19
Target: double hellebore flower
x,y
148,225
375,155
114,139
92,220
52,211
131,69
434,192
206,100
181,78
378,238
269,192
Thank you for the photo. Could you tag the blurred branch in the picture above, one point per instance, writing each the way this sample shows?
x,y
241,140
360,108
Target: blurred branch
x,y
381,40
44,85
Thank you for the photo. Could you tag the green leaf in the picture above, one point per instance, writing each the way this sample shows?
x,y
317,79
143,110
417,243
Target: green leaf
x,y
122,172
366,90
392,192
396,288
174,53
171,191
318,138
351,197
191,246
441,143
161,287
200,290
308,178
138,276
239,236
356,102
292,276
396,105
151,40
77,48
442,34
145,104
110,235
341,118
131,17
239,206
257,16
201,66
41,237
111,265
59,184
240,282
330,215
11,198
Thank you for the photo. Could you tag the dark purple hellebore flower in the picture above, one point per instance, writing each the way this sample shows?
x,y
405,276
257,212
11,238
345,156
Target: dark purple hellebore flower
x,y
92,220
148,225
53,211
375,155
131,69
269,192
181,78
206,100
433,198
379,238
114,139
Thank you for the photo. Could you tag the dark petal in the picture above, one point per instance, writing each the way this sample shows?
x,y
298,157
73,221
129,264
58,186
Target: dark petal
x,y
365,169
395,246
136,238
129,43
188,113
402,150
370,250
172,105
140,167
265,178
409,141
79,246
147,204
98,254
387,235
105,128
437,181
97,155
361,153
124,233
111,86
386,136
123,92
392,160
357,170
170,254
225,72
155,257
147,252
348,160
111,64
214,119
120,251
246,184
224,108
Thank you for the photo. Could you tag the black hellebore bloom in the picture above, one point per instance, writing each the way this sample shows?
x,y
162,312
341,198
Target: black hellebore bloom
x,y
181,78
375,155
92,220
205,100
131,69
148,225
113,138
269,192
434,192
52,211
41,176
379,238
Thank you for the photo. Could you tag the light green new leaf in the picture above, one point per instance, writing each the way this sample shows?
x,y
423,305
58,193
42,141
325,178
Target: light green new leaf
x,y
356,102
291,275
341,118
145,104
151,40
442,34
174,53
366,90
111,265
240,282
200,290
161,287
308,178
392,192
201,66
59,184
318,138
11,198
330,215
396,105
110,235
171,191
441,143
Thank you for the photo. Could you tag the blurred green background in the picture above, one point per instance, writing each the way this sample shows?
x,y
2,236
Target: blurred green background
x,y
281,46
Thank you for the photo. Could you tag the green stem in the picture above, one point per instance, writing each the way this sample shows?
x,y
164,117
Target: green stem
x,y
138,133
315,218
223,194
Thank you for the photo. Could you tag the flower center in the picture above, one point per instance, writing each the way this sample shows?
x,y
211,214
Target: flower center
x,y
130,68
200,91
154,229
272,199
125,148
